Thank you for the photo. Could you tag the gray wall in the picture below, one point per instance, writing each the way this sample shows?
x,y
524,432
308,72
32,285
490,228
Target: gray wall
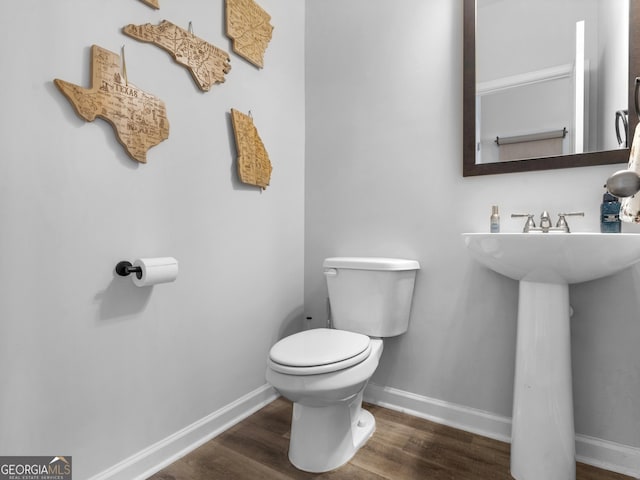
x,y
384,177
90,365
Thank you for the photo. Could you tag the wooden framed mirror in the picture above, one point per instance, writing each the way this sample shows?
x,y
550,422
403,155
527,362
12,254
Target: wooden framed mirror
x,y
622,117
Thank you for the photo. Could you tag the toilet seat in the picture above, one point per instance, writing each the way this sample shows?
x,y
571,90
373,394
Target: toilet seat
x,y
320,350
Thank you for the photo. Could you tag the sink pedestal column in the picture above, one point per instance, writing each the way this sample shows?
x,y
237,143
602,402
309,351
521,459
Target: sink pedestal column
x,y
542,436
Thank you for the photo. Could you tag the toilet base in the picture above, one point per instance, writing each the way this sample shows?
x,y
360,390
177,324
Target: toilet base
x,y
325,438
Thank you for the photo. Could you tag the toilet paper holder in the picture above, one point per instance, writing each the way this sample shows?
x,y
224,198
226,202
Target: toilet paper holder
x,y
125,268
149,271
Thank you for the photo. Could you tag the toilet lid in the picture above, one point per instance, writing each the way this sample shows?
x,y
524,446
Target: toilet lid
x,y
319,346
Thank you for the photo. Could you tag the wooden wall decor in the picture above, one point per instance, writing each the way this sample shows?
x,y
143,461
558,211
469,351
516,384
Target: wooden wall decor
x,y
249,28
207,63
138,118
152,3
254,166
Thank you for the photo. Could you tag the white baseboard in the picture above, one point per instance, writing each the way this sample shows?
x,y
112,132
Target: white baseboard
x,y
456,416
157,456
608,455
593,451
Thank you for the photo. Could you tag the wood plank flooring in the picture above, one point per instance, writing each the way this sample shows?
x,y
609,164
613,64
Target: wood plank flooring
x,y
403,447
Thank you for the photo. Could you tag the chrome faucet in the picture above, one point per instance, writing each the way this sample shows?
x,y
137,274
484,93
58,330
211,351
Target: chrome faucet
x,y
545,222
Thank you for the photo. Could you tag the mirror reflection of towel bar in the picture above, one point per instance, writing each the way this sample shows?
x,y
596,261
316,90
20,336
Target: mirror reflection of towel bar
x,y
532,137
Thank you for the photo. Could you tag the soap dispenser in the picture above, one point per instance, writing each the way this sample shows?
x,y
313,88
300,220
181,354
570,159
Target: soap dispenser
x,y
495,220
610,214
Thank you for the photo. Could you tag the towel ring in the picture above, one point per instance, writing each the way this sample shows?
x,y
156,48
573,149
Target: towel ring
x,y
622,115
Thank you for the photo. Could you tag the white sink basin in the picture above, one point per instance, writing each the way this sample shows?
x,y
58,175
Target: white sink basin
x,y
555,257
542,432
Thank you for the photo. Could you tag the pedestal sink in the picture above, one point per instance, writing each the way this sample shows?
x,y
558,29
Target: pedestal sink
x,y
542,435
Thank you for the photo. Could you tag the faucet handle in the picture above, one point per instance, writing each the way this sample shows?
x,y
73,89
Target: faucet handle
x,y
529,224
562,222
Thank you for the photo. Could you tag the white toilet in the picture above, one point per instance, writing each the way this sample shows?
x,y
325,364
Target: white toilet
x,y
324,371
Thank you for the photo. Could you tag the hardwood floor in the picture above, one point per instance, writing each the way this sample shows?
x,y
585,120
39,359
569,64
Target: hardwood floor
x,y
402,448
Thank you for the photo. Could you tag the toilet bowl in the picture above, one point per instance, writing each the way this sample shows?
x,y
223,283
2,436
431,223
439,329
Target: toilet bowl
x,y
328,425
324,371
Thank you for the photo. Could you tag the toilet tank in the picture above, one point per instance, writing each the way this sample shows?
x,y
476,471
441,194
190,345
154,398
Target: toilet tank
x,y
370,295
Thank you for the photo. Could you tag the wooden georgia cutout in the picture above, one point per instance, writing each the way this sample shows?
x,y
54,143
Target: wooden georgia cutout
x,y
207,63
254,166
249,28
138,118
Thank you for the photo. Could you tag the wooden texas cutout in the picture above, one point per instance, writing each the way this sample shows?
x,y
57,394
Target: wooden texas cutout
x,y
138,118
207,63
152,3
249,28
254,166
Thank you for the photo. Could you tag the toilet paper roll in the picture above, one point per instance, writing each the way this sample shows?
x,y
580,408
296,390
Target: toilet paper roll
x,y
155,270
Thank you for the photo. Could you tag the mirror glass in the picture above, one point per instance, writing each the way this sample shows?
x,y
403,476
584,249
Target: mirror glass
x,y
548,85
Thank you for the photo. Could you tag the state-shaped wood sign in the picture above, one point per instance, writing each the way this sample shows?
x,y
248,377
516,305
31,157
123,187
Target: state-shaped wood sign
x,y
254,166
249,28
207,63
138,118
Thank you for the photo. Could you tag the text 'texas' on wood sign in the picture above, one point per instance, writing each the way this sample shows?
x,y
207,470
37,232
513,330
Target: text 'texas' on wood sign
x,y
138,118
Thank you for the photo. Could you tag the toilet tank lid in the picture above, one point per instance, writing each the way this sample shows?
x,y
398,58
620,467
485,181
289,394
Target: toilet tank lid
x,y
371,263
